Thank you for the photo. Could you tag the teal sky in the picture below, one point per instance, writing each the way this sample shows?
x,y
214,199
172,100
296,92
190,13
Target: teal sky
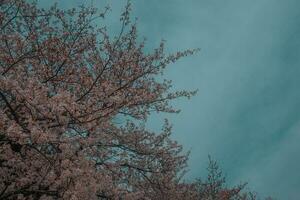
x,y
246,114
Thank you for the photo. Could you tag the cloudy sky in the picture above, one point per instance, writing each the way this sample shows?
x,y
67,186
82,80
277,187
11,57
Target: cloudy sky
x,y
246,114
247,111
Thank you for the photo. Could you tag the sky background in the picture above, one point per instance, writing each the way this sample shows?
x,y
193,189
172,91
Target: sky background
x,y
246,113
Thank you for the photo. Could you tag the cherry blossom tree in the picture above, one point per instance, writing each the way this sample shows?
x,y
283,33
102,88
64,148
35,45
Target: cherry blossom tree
x,y
214,186
63,82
